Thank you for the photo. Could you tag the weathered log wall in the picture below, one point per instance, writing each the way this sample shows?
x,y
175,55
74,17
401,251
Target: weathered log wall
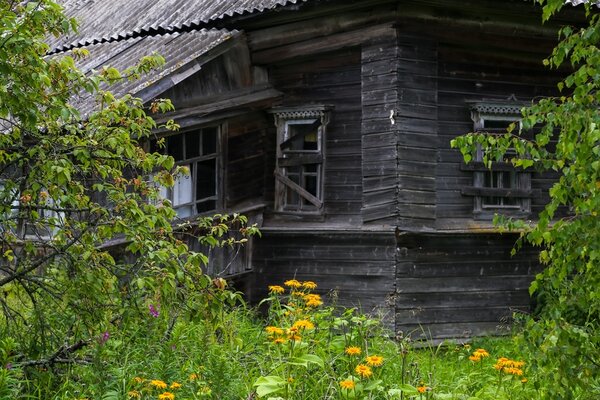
x,y
460,285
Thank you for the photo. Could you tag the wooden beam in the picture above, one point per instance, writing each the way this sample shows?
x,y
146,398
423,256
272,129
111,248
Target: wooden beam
x,y
323,44
298,31
299,189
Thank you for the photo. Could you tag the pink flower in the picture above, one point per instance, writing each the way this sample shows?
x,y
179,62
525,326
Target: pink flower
x,y
104,338
153,311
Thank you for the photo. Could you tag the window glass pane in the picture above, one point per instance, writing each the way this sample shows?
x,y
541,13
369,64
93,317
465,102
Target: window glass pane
x,y
209,141
175,147
302,137
206,181
206,206
192,144
185,211
182,190
310,184
496,124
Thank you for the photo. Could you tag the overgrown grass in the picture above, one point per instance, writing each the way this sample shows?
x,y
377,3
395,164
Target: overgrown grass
x,y
300,349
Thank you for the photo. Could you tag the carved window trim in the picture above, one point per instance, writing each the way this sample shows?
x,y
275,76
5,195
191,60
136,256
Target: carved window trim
x,y
490,195
299,172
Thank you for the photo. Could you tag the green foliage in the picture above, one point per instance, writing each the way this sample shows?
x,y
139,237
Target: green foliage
x,y
566,334
88,249
297,351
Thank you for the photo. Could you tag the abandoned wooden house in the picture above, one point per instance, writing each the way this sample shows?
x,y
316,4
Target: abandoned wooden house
x,y
328,122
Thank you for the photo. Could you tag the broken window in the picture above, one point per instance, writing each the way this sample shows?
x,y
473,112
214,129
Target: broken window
x,y
198,191
300,159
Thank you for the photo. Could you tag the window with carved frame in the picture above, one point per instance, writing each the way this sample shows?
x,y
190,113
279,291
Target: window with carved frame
x,y
502,188
300,160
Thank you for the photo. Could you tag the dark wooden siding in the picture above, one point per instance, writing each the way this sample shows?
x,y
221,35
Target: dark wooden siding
x,y
246,158
332,79
484,69
417,131
357,267
379,92
461,285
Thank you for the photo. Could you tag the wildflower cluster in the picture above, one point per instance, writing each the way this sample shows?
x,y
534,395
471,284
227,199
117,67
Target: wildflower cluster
x,y
157,388
478,355
510,367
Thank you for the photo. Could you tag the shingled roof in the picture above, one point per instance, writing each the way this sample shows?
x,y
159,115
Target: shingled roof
x,y
115,20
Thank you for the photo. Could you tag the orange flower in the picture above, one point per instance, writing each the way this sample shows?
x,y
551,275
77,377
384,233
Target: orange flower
x,y
273,330
292,283
158,384
363,371
310,285
303,324
374,361
481,353
279,341
474,358
175,385
347,384
166,396
422,389
353,351
276,289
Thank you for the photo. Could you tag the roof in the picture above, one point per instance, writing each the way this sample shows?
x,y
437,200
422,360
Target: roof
x,y
101,21
183,52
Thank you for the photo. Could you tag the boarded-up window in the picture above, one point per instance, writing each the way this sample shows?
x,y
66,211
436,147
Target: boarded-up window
x,y
300,159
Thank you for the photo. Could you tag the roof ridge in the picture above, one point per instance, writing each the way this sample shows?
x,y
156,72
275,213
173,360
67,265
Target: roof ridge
x,y
100,24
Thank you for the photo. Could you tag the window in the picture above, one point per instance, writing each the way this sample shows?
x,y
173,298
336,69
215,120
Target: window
x,y
198,150
503,188
300,159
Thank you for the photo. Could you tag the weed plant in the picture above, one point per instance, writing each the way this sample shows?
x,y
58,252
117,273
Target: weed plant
x,y
299,349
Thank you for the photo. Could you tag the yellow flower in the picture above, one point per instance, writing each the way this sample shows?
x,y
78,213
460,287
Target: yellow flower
x,y
353,351
374,361
304,324
279,341
166,396
292,283
193,376
273,330
513,371
363,370
134,394
481,353
310,285
474,358
158,384
137,379
347,384
524,380
313,300
314,303
422,389
175,385
276,289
